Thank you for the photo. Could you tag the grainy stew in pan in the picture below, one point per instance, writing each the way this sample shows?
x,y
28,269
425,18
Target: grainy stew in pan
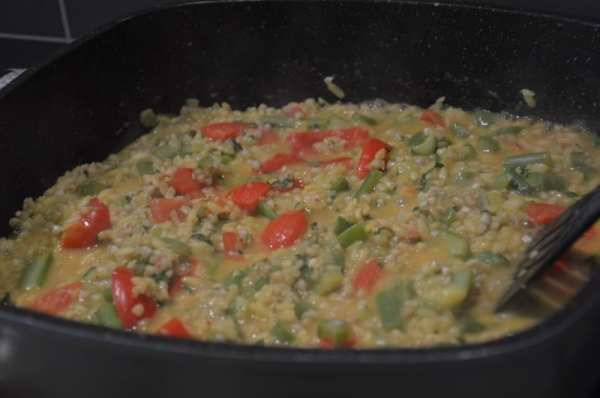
x,y
331,225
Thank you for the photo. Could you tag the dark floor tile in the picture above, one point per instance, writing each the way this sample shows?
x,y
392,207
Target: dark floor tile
x,y
32,17
87,15
24,53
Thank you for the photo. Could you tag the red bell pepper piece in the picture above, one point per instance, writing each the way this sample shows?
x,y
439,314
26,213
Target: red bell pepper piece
x,y
184,182
224,131
370,149
173,328
304,141
57,300
232,246
431,116
367,275
248,195
284,230
278,161
83,233
122,292
161,208
543,213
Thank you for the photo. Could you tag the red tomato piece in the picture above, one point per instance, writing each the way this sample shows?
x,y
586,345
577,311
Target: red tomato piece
x,y
57,300
431,116
284,230
370,149
278,161
173,328
83,233
224,131
304,141
543,213
184,182
161,208
326,343
232,246
248,195
412,237
345,160
367,275
122,292
269,137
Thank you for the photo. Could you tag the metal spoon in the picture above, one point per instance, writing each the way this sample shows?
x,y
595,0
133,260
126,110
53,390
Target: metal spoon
x,y
550,243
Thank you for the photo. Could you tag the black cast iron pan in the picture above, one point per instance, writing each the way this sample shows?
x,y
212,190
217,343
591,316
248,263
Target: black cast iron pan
x,y
82,105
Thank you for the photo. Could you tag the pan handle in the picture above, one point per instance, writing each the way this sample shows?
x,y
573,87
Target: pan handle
x,y
6,76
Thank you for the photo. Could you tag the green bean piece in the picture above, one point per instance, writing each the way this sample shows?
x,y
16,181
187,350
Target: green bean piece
x,y
500,182
257,285
337,257
546,182
470,326
449,216
226,159
341,224
336,331
107,295
457,245
520,184
389,304
279,121
165,151
462,177
107,316
282,333
206,162
509,130
492,259
265,210
466,152
484,118
35,271
578,160
337,122
459,131
364,119
235,277
463,279
369,183
512,162
488,144
340,184
330,280
314,123
422,145
148,118
589,173
144,167
91,188
351,235
300,307
177,247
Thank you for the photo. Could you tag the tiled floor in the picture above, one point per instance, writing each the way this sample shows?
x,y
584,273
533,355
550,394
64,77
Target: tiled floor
x,y
30,30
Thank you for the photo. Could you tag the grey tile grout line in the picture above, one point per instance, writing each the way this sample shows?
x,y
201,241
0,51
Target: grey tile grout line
x,y
64,19
49,39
